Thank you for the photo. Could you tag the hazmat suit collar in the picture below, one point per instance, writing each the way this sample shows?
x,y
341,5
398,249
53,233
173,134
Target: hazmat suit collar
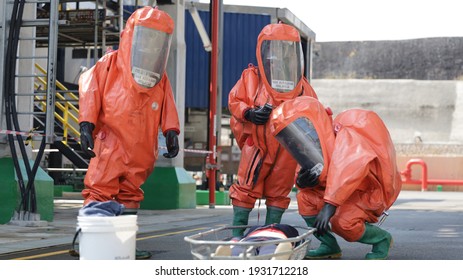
x,y
148,17
278,31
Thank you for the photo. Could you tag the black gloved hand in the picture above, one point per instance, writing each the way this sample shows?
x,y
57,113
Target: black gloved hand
x,y
322,222
86,138
306,178
259,115
172,144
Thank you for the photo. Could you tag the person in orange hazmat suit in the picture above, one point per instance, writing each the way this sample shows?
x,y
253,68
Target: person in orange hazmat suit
x,y
124,99
348,174
265,169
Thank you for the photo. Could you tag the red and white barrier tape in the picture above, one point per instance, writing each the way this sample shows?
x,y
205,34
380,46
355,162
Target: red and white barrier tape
x,y
197,151
189,150
12,132
29,134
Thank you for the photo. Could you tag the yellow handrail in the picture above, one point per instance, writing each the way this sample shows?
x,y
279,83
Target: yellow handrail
x,y
70,118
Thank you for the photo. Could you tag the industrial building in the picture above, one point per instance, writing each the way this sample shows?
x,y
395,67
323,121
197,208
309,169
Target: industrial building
x,y
49,43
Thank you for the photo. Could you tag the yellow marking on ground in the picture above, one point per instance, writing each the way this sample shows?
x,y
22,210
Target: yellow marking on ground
x,y
43,255
141,238
169,233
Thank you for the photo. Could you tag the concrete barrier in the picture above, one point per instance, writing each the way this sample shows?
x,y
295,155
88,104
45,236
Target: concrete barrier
x,y
424,118
413,110
11,196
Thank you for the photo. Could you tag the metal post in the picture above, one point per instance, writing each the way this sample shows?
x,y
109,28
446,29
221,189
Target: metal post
x,y
219,81
121,16
309,56
2,54
51,71
212,171
95,35
103,30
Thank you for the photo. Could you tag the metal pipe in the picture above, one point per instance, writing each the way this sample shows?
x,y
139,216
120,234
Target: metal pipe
x,y
407,176
66,169
212,170
95,35
46,150
51,72
383,218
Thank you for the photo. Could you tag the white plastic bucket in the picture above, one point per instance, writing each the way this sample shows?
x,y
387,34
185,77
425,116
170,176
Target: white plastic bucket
x,y
107,238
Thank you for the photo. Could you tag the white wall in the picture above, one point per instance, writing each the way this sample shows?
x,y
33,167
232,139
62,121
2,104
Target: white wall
x,y
430,109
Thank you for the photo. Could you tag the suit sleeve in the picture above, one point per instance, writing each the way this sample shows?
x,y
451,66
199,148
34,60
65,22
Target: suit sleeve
x,y
239,101
91,87
169,118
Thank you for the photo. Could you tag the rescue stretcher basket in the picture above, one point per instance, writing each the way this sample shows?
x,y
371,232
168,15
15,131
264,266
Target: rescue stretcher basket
x,y
208,245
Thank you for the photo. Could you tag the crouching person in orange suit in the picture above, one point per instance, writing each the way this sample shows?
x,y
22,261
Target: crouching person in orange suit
x,y
348,174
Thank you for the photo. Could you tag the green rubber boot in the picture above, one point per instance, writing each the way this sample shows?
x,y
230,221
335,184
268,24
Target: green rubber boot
x,y
240,218
329,248
139,254
274,215
380,239
142,255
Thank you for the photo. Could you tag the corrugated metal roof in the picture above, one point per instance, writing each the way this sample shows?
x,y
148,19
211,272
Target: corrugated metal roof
x,y
239,49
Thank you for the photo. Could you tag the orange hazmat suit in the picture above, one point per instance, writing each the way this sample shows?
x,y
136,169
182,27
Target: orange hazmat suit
x,y
127,117
360,175
266,170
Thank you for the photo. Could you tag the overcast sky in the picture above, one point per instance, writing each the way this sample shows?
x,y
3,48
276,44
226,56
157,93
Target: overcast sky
x,y
361,20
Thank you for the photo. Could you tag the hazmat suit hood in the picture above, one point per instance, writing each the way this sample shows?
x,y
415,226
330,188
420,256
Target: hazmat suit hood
x,y
310,109
280,60
147,30
363,142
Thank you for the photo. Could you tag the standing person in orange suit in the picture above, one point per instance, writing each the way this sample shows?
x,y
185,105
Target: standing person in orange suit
x,y
266,170
348,175
124,100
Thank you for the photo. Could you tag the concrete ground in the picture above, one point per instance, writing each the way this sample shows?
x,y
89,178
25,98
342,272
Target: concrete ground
x,y
424,225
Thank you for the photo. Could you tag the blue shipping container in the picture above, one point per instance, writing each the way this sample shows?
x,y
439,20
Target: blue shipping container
x,y
239,50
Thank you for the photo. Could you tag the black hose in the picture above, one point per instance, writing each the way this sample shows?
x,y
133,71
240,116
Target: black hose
x,y
8,100
28,195
25,202
30,189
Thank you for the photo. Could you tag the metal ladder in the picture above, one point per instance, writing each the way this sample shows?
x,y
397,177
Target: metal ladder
x,y
117,20
25,58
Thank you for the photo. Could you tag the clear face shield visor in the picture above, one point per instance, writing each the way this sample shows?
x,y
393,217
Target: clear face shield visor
x,y
150,51
283,64
301,140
